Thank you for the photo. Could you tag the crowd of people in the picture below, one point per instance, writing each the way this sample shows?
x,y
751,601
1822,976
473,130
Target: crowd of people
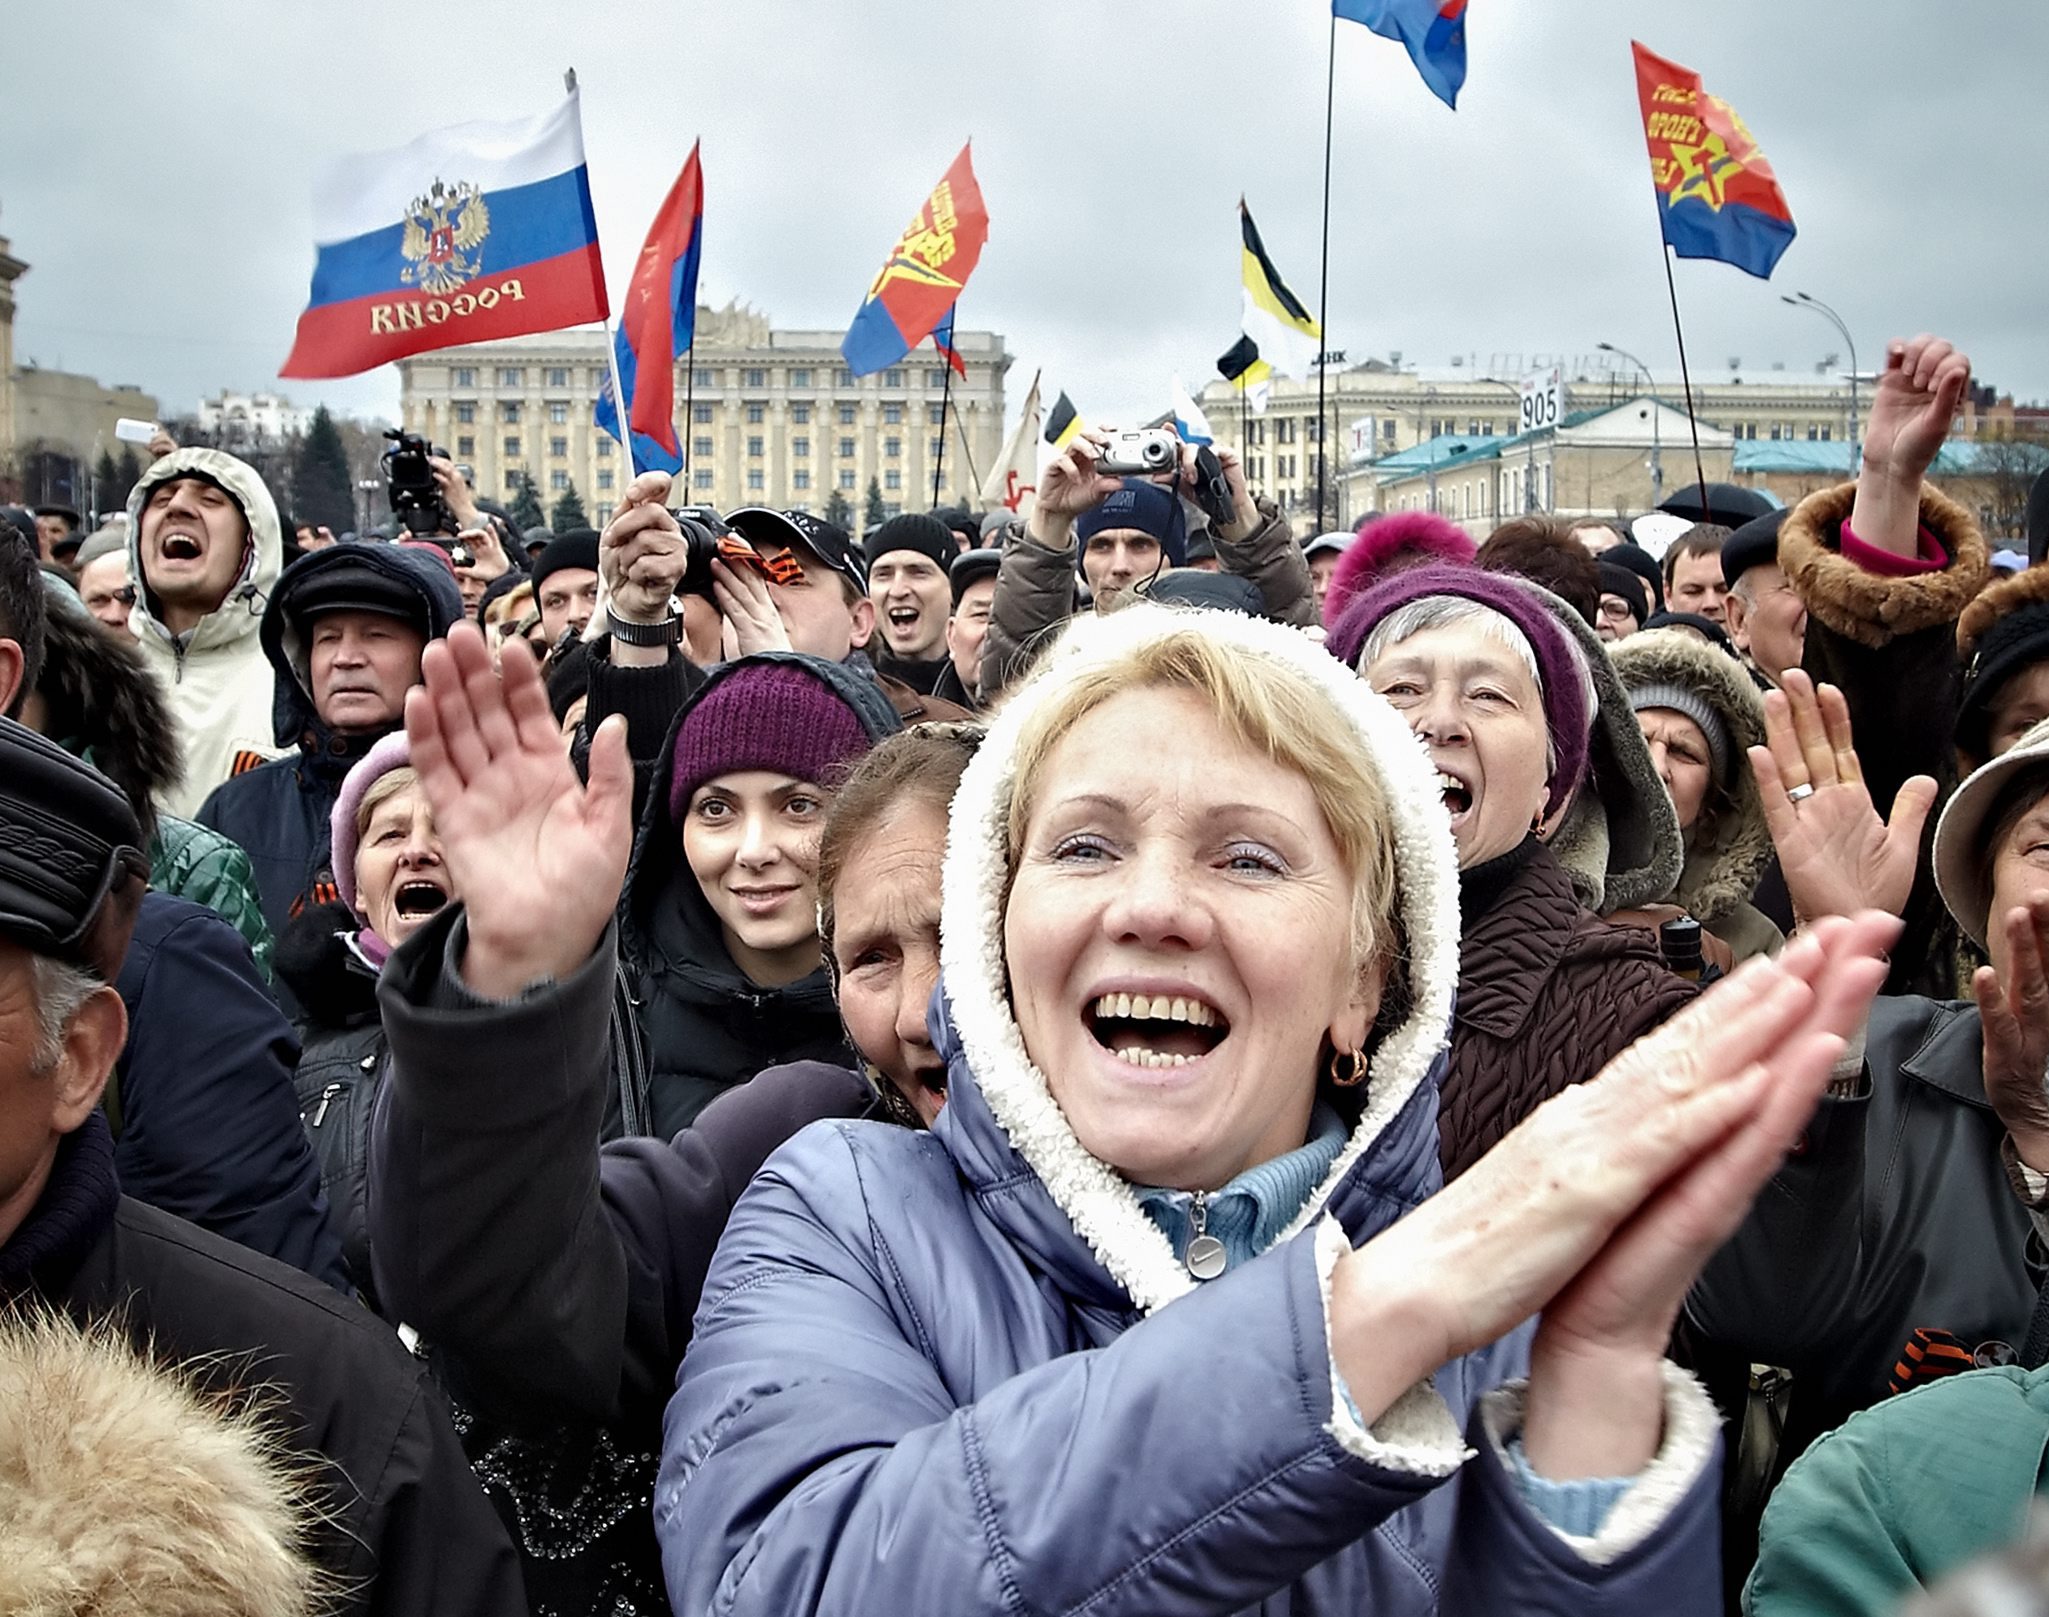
x,y
1119,1060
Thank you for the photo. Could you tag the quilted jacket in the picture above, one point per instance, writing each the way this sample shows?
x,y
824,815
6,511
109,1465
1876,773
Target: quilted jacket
x,y
189,861
1548,994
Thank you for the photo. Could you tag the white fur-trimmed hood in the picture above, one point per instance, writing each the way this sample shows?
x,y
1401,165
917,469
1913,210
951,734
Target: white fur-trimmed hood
x,y
1103,1206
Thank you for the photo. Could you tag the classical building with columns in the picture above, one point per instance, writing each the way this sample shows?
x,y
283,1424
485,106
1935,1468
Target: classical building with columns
x,y
768,417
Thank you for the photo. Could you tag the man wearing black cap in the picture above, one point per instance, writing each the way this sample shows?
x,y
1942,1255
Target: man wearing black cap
x,y
972,585
566,582
908,585
403,1525
57,531
1764,613
1120,533
344,630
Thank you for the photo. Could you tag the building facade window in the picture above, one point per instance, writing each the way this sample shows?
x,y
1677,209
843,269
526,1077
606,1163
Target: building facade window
x,y
756,414
756,479
558,413
893,377
511,446
846,415
508,413
755,447
892,415
800,478
701,447
701,478
800,448
701,414
466,447
846,449
558,480
800,377
892,479
604,477
800,415
938,447
892,448
466,411
465,376
512,482
559,448
936,414
754,378
936,377
511,376
707,377
558,376
843,377
604,447
846,477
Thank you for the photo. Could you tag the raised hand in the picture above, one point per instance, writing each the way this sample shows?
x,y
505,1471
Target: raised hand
x,y
1070,483
1838,856
2014,1009
641,555
744,601
1731,1079
1918,393
537,857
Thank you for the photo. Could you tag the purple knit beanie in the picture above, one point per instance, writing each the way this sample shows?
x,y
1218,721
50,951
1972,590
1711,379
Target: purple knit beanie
x,y
1559,666
763,715
392,752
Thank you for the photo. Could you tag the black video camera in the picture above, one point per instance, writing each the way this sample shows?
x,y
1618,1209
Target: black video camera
x,y
410,485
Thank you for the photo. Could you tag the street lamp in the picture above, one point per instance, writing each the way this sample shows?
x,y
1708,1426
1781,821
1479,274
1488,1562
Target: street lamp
x,y
1529,477
1801,300
1657,435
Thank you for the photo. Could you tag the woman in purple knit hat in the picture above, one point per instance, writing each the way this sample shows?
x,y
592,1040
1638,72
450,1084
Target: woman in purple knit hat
x,y
1504,701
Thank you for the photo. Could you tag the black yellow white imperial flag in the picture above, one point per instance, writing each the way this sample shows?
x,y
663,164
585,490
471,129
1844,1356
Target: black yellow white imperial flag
x,y
1288,336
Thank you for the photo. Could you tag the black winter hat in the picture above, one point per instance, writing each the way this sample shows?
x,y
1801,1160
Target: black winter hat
x,y
348,585
971,565
576,548
1755,544
1642,563
915,531
2001,634
1219,592
1630,585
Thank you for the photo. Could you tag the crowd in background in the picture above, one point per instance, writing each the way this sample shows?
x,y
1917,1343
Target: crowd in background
x,y
1119,1058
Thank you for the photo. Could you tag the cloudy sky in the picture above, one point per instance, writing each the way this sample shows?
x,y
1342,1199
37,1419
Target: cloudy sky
x,y
157,177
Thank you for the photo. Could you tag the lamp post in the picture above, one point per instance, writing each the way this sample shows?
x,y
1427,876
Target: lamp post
x,y
1657,435
1428,396
1530,476
1802,300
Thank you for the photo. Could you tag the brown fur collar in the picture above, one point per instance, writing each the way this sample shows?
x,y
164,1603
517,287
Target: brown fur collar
x,y
2028,587
1863,606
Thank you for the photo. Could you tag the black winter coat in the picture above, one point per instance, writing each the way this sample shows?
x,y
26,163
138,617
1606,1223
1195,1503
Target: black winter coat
x,y
280,811
707,1025
203,1093
1548,994
1895,1214
405,1527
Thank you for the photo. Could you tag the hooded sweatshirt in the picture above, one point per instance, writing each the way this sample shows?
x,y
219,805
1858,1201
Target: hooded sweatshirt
x,y
279,811
707,1025
218,681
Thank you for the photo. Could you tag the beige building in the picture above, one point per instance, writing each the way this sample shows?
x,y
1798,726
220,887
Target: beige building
x,y
769,418
1379,408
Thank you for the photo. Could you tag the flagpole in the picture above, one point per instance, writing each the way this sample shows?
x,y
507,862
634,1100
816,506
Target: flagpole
x,y
945,399
611,347
967,453
1323,292
1685,377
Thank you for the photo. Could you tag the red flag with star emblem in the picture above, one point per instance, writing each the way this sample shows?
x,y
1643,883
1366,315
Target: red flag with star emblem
x,y
1717,196
924,274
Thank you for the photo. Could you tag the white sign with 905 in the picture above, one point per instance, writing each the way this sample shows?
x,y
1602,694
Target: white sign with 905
x,y
1540,402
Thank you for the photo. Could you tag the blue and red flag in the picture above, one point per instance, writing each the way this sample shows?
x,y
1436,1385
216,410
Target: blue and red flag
x,y
469,234
1433,32
1717,196
942,339
656,322
924,274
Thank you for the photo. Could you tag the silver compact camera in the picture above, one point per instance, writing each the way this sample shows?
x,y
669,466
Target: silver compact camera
x,y
1146,453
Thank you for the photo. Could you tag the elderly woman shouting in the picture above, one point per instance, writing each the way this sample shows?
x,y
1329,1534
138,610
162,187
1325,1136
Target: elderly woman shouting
x,y
1168,1311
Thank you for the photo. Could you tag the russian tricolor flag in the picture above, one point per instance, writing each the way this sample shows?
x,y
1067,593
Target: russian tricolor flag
x,y
468,234
656,323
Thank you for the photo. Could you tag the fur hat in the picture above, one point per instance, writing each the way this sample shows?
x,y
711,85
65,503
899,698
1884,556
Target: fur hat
x,y
1387,543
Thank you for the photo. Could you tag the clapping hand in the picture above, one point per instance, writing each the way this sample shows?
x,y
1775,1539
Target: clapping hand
x,y
537,857
2014,1008
1918,393
1838,856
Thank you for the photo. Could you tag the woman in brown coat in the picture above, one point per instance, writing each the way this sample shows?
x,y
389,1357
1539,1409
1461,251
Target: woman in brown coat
x,y
1503,698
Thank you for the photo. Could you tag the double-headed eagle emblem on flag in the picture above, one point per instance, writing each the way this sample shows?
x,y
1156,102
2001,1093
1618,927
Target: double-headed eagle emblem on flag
x,y
441,228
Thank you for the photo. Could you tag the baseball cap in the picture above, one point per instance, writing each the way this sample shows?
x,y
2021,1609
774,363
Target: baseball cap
x,y
970,566
766,529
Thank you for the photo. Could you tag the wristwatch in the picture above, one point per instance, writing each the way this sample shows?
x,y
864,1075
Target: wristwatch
x,y
669,632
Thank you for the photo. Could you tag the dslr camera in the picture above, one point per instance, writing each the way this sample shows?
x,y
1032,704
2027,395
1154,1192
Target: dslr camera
x,y
1151,452
707,537
409,484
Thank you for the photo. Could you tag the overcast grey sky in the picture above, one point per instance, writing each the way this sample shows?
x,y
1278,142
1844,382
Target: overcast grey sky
x,y
157,176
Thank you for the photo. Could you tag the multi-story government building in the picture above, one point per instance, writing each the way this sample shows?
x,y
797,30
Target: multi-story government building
x,y
766,417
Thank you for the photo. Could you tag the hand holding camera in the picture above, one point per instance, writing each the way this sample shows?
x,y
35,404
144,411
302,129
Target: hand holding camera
x,y
455,491
642,555
1073,481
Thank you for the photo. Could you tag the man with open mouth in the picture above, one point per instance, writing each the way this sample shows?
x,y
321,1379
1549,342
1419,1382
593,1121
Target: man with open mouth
x,y
908,558
205,545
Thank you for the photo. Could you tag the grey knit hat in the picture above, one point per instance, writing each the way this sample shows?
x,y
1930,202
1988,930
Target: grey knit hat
x,y
1697,708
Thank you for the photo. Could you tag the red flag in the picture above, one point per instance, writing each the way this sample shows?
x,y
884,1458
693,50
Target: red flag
x,y
925,272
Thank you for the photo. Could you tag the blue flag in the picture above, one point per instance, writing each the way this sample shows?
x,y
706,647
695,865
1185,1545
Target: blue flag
x,y
655,326
1433,31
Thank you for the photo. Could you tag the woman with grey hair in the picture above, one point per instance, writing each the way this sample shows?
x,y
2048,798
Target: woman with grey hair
x,y
1485,673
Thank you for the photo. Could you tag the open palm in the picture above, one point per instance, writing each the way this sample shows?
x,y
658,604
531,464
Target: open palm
x,y
538,858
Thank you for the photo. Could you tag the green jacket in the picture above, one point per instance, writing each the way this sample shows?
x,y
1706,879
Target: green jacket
x,y
1900,1494
188,861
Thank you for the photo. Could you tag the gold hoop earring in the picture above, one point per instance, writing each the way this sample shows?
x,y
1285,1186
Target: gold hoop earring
x,y
1348,1068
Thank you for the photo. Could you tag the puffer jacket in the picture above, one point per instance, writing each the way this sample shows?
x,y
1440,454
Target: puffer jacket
x,y
1890,645
280,811
1896,1215
1904,1493
1725,855
707,1025
188,861
1548,994
216,676
964,1371
1035,593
